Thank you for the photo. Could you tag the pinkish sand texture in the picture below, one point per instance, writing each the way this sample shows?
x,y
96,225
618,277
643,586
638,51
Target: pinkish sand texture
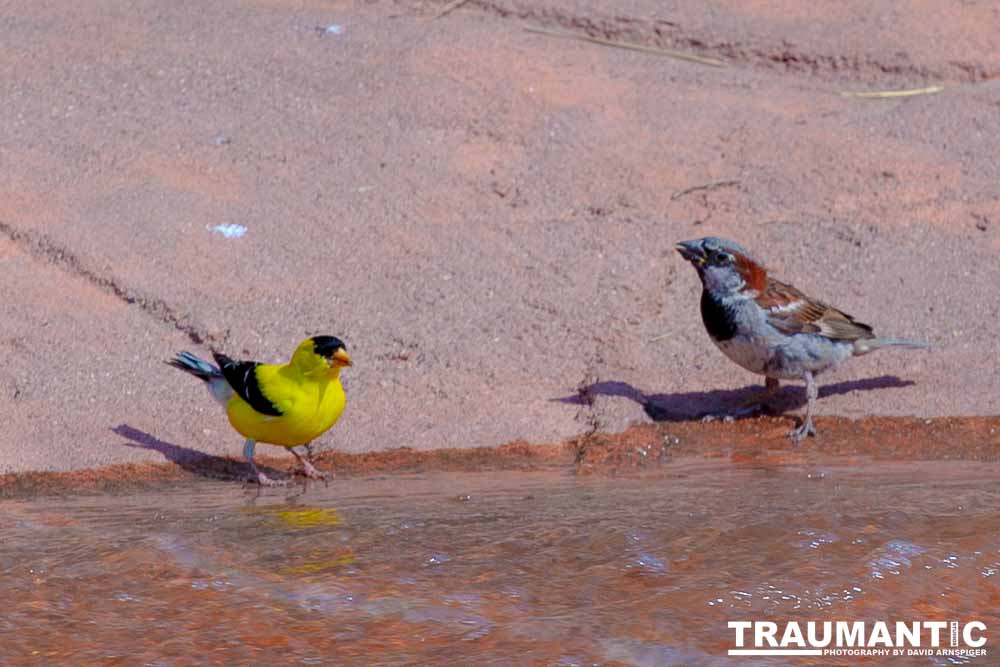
x,y
485,214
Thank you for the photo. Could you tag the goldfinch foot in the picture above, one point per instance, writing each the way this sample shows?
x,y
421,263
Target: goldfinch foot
x,y
263,480
308,469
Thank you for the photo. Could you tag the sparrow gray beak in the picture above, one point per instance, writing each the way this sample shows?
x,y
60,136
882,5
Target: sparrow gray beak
x,y
692,251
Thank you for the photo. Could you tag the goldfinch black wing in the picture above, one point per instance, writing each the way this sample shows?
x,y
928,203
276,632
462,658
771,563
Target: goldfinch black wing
x,y
242,377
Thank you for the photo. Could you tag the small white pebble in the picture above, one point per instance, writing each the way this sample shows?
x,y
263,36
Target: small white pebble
x,y
230,231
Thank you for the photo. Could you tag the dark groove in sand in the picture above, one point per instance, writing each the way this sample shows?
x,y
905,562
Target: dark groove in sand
x,y
45,249
660,33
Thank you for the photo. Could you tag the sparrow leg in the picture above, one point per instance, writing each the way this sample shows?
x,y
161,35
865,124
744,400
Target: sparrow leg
x,y
305,458
770,389
258,476
805,429
758,402
750,407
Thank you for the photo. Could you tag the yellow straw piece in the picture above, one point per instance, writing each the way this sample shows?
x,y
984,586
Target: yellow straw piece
x,y
880,94
680,55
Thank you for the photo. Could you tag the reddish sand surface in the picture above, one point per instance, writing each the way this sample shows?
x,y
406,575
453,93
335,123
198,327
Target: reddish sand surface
x,y
484,213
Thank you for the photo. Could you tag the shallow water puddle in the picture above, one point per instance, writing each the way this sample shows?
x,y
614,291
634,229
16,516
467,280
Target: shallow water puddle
x,y
496,568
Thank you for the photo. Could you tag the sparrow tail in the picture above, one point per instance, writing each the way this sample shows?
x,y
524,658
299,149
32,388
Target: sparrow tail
x,y
866,345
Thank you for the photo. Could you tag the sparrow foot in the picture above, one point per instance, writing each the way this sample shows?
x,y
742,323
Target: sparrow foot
x,y
801,432
743,412
725,418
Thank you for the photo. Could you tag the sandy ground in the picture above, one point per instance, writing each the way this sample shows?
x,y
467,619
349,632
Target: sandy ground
x,y
485,214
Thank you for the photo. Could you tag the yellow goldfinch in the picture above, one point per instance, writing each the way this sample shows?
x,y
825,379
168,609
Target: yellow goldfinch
x,y
288,405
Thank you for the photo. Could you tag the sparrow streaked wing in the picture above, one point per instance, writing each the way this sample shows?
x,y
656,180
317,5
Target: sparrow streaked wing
x,y
790,311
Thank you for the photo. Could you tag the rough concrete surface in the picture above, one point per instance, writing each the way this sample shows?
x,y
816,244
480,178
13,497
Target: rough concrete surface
x,y
485,214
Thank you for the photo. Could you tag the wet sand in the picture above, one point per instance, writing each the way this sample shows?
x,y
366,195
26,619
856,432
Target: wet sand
x,y
646,449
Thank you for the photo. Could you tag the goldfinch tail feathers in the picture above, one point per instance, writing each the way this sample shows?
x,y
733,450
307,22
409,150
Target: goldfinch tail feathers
x,y
199,368
217,385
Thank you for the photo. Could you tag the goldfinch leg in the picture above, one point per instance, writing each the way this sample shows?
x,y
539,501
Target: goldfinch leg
x,y
805,429
257,476
750,407
308,469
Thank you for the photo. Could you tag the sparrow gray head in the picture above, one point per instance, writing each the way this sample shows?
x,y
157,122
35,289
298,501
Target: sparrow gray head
x,y
724,266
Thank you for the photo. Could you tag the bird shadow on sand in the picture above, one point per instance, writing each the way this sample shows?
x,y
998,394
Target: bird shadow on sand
x,y
191,460
693,406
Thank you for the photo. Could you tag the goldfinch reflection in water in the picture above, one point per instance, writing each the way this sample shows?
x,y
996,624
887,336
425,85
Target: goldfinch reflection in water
x,y
288,405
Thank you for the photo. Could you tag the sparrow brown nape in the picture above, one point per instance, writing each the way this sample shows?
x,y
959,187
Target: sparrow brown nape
x,y
772,329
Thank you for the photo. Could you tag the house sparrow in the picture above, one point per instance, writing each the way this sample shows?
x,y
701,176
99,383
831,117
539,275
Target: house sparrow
x,y
771,328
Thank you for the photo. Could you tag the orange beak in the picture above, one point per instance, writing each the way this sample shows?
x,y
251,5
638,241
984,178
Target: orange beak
x,y
340,358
